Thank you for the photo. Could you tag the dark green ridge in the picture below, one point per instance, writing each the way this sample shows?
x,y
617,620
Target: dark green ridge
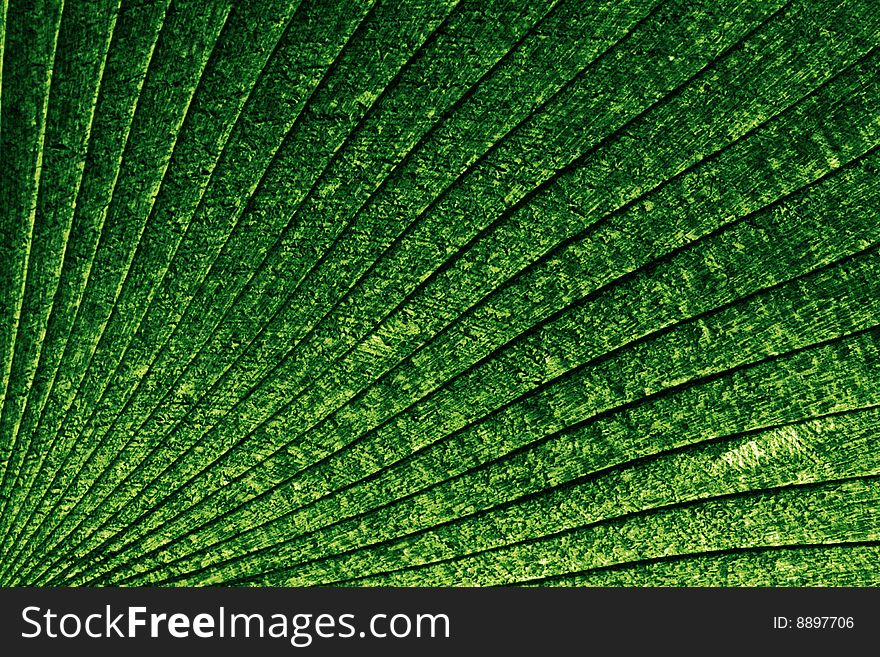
x,y
28,59
142,470
828,218
255,140
831,512
372,292
850,564
308,150
677,278
215,107
84,37
128,57
4,8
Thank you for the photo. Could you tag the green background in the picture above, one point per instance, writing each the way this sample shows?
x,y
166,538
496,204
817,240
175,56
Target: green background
x,y
440,292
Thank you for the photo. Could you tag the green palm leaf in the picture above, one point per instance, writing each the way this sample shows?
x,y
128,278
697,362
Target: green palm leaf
x,y
368,292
